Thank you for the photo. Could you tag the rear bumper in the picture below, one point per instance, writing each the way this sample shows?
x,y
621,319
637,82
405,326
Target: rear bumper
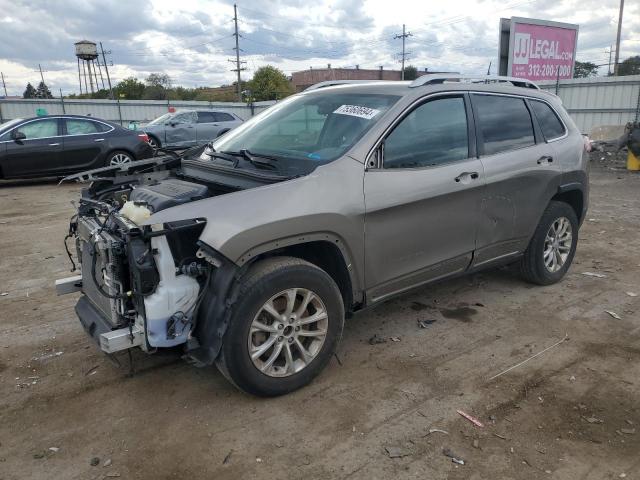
x,y
143,150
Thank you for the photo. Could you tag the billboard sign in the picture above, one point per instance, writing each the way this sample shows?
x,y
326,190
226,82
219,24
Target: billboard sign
x,y
537,49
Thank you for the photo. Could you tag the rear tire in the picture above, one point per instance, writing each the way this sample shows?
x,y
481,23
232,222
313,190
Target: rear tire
x,y
272,346
119,158
552,246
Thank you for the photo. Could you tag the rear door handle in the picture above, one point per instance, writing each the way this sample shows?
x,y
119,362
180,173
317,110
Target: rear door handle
x,y
467,175
54,144
99,140
545,159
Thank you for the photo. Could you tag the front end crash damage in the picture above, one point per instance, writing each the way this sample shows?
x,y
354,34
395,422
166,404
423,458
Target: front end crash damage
x,y
149,285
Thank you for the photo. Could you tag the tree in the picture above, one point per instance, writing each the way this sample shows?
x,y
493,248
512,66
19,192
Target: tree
x,y
159,80
585,69
269,83
43,91
630,66
29,92
410,72
130,88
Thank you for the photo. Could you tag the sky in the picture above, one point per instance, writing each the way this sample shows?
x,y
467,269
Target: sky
x,y
192,41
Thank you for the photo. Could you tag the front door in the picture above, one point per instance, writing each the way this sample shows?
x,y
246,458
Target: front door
x,y
39,154
423,200
181,130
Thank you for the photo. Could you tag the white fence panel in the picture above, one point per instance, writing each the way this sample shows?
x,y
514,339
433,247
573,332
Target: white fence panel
x,y
123,112
598,101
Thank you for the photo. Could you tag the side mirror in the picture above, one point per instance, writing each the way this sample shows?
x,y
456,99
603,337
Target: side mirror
x,y
17,135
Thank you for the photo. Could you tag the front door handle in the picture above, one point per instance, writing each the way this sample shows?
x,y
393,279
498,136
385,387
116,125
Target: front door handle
x,y
545,159
467,176
99,140
54,144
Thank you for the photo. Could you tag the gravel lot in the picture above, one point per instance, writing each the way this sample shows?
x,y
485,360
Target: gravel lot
x,y
572,412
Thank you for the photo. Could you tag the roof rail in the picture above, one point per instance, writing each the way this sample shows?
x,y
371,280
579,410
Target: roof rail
x,y
437,79
331,83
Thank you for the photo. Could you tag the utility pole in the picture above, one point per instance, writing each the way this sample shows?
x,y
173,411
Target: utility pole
x,y
4,85
41,75
610,53
615,65
106,68
404,36
238,68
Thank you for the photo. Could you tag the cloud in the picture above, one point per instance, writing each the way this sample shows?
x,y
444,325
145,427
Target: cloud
x,y
192,40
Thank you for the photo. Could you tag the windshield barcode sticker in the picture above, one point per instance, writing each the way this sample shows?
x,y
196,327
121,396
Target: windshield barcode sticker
x,y
357,111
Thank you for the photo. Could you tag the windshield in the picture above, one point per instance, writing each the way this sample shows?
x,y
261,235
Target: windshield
x,y
317,128
161,120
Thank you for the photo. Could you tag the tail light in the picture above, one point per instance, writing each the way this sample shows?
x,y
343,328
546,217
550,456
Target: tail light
x,y
587,143
143,137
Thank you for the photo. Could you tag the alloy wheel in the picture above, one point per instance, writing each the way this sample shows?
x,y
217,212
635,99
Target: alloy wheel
x,y
120,159
288,332
557,244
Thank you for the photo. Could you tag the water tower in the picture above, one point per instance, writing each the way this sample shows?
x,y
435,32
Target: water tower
x,y
87,54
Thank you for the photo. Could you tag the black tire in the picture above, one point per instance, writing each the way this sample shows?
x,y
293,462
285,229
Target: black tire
x,y
532,265
264,280
119,154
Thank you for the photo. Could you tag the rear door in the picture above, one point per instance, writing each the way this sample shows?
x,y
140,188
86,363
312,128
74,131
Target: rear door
x,y
84,142
423,202
181,131
39,154
226,121
521,175
207,128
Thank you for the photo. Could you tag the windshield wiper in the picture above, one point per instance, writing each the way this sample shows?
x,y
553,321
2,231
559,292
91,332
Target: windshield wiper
x,y
253,157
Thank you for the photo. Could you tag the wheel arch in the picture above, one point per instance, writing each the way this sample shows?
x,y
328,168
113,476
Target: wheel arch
x,y
324,250
573,195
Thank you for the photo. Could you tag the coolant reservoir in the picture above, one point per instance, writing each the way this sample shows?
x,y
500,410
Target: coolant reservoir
x,y
136,213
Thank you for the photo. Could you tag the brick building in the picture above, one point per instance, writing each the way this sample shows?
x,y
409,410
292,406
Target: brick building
x,y
305,78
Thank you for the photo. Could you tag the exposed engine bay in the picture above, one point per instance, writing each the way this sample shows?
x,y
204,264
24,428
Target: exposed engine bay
x,y
143,285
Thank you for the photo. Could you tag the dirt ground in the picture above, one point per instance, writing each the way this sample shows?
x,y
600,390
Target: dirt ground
x,y
571,412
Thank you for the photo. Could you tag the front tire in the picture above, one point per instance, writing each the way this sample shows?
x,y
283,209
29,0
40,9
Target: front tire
x,y
284,328
553,245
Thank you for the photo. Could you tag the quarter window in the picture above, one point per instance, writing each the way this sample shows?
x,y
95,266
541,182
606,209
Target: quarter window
x,y
549,122
40,129
505,123
432,134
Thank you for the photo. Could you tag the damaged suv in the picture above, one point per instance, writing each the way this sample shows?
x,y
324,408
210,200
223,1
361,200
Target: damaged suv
x,y
250,252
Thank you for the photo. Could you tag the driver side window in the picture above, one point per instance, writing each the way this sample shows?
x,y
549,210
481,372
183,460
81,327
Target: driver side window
x,y
432,134
186,117
39,129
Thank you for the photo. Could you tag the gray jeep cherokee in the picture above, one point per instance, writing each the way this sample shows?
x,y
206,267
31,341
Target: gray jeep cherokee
x,y
249,252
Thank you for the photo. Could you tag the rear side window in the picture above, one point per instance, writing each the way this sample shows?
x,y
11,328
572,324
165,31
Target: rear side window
x,y
206,117
505,123
549,122
82,127
223,117
432,134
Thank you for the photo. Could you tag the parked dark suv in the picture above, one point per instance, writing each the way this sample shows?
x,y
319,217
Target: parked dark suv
x,y
250,252
64,144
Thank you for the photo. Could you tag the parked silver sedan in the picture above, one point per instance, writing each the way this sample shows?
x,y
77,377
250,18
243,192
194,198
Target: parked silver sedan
x,y
187,128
